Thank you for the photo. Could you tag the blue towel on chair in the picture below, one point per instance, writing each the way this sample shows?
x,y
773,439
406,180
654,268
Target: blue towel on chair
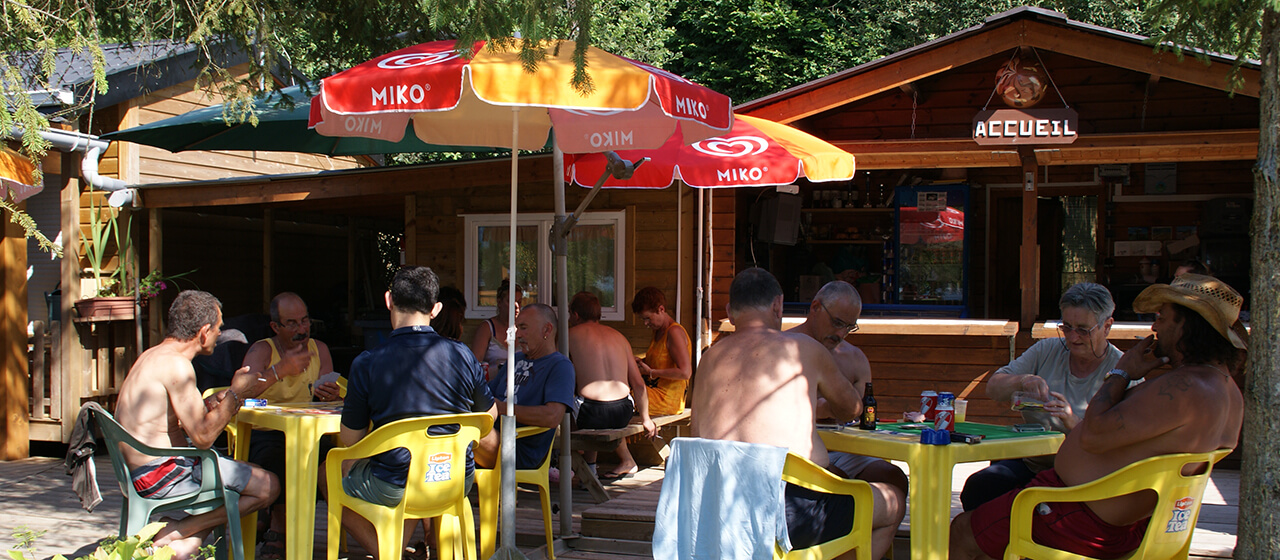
x,y
721,500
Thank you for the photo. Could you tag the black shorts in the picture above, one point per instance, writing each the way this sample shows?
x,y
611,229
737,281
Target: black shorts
x,y
816,517
599,415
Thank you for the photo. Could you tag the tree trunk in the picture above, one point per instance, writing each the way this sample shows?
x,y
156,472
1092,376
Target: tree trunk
x,y
1258,526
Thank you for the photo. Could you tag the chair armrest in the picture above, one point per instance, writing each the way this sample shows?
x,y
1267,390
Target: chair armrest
x,y
804,473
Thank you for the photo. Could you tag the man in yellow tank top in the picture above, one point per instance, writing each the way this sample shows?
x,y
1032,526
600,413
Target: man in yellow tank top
x,y
291,362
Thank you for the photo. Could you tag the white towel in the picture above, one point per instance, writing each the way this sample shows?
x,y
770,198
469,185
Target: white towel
x,y
721,500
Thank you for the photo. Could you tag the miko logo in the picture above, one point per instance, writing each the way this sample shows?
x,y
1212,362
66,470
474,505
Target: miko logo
x,y
692,107
362,124
612,139
439,468
402,61
1181,519
732,147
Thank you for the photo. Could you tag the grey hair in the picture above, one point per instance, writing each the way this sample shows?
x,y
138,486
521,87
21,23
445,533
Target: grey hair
x,y
1091,297
838,290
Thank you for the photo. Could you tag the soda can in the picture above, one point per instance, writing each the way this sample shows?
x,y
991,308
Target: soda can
x,y
929,405
946,419
947,399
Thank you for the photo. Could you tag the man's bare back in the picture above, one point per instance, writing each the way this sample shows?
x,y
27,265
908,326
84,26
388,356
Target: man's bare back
x,y
761,385
601,356
1179,395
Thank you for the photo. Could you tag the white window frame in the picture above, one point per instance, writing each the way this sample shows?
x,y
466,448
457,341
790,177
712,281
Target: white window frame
x,y
543,221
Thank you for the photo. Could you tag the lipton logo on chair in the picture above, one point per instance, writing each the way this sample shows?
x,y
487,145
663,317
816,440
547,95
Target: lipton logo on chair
x,y
439,467
1181,518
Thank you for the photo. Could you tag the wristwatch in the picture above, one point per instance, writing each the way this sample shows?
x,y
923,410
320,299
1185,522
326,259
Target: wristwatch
x,y
1122,374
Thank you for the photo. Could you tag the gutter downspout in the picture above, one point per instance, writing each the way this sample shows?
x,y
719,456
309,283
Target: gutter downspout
x,y
93,148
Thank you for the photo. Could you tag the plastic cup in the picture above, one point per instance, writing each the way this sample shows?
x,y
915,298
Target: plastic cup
x,y
962,405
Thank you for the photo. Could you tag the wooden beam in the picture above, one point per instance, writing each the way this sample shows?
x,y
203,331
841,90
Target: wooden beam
x,y
340,184
1029,265
411,230
155,261
268,231
15,439
1138,57
854,86
73,365
1228,145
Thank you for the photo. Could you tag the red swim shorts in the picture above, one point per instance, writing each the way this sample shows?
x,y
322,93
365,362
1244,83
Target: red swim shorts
x,y
1067,526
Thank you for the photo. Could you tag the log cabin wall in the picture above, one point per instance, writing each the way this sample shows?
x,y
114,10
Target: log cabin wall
x,y
652,216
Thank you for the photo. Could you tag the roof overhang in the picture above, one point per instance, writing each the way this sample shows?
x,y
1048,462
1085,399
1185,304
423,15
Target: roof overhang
x,y
1022,27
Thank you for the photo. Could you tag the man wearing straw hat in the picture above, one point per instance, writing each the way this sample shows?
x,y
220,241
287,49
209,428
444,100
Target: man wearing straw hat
x,y
1194,407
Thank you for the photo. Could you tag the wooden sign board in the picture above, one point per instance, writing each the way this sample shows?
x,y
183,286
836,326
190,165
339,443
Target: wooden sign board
x,y
1007,127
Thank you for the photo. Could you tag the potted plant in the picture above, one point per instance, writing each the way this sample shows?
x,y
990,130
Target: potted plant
x,y
111,299
114,294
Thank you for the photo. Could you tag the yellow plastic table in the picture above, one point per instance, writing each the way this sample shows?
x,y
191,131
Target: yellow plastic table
x,y
303,425
931,467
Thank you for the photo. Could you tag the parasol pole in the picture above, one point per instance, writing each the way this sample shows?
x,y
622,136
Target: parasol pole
x,y
559,244
508,445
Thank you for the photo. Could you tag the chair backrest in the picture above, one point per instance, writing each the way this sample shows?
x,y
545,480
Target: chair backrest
x,y
1169,530
438,460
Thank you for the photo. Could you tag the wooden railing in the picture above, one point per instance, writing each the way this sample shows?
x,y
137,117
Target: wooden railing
x,y
46,382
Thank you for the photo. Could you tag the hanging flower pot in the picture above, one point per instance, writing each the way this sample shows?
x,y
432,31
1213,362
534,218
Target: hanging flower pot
x,y
109,308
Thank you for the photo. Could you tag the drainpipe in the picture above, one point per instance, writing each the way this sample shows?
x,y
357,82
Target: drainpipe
x,y
93,148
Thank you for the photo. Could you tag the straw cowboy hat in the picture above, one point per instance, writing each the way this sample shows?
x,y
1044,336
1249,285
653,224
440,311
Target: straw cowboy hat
x,y
1217,302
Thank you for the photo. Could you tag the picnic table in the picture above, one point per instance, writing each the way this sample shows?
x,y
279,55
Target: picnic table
x,y
607,440
931,466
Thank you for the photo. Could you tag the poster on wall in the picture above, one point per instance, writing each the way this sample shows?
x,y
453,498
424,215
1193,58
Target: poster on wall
x,y
931,201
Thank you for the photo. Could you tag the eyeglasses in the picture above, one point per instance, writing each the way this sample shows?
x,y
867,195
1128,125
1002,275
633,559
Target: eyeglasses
x,y
1064,328
292,324
839,324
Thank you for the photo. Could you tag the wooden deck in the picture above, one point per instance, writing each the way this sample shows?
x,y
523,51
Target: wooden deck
x,y
37,495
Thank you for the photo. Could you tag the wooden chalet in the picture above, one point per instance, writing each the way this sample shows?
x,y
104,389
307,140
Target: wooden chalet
x,y
68,359
1160,172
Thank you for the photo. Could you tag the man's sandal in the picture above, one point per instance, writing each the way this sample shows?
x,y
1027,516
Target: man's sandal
x,y
272,546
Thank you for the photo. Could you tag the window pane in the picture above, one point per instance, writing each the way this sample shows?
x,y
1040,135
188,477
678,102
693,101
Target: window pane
x,y
493,258
1079,239
591,262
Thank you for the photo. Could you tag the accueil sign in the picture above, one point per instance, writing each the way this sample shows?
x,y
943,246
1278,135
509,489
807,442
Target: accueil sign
x,y
1025,126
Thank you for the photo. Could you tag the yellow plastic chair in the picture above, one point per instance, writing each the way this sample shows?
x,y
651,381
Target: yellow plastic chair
x,y
488,483
803,472
423,499
231,426
1169,530
342,387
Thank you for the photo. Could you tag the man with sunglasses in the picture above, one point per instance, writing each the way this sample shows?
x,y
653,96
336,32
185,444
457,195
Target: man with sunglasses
x,y
291,362
833,315
1060,375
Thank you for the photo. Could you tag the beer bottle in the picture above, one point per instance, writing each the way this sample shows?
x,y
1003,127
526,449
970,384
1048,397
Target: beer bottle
x,y
868,420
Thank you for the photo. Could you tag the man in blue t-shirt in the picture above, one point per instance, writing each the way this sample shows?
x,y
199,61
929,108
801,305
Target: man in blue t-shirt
x,y
544,383
416,372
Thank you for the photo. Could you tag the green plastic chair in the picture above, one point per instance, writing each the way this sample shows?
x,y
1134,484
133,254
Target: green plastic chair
x,y
138,510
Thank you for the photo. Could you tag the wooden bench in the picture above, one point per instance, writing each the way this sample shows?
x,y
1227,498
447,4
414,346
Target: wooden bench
x,y
607,440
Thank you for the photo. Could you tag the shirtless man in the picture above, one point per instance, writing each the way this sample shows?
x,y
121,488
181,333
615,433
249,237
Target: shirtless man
x,y
160,405
761,385
832,316
606,377
1195,407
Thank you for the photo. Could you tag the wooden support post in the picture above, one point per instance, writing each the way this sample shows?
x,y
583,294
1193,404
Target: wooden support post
x,y
155,261
71,369
15,437
268,226
352,277
1028,261
411,230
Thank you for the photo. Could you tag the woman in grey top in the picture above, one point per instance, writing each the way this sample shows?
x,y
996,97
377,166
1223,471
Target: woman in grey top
x,y
1063,373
